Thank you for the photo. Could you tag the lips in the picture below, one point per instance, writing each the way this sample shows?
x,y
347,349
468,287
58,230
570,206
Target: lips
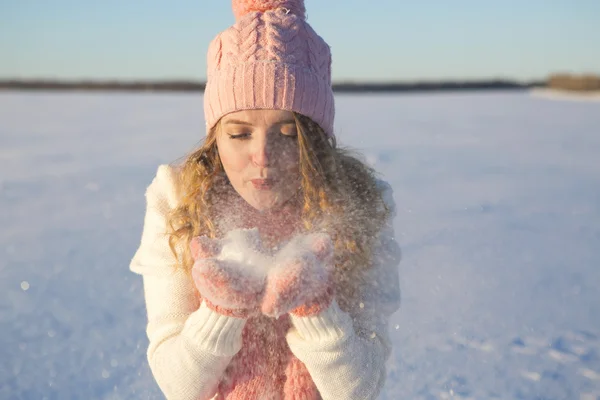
x,y
263,184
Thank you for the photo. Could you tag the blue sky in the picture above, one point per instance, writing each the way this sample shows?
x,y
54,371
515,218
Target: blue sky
x,y
371,40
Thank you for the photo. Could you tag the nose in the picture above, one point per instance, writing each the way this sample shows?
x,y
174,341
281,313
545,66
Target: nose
x,y
262,153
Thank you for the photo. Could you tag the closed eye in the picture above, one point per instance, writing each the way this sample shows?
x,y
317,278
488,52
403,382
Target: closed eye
x,y
289,131
240,136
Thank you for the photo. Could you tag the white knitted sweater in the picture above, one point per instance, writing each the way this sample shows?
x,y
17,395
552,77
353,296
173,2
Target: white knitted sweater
x,y
191,345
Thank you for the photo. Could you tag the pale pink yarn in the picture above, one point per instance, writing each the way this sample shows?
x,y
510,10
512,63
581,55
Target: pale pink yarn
x,y
243,7
270,58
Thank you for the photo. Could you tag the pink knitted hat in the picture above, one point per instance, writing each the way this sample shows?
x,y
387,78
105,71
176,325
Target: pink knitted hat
x,y
269,59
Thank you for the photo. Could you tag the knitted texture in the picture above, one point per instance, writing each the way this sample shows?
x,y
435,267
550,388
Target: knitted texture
x,y
271,58
303,283
243,7
265,367
299,279
192,348
224,288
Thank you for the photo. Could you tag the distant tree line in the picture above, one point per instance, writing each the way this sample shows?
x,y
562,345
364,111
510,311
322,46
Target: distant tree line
x,y
432,86
162,86
584,83
191,86
557,81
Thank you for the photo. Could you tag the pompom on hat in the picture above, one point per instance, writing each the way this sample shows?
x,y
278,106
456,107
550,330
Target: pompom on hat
x,y
243,7
271,58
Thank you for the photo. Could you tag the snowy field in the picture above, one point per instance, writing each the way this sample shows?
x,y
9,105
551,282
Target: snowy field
x,y
498,200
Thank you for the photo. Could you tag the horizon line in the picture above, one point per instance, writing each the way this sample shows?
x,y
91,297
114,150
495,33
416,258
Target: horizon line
x,y
199,86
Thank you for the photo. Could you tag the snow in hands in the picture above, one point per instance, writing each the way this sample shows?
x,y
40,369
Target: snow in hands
x,y
237,271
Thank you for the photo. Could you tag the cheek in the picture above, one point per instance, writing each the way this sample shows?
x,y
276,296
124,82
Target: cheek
x,y
232,159
290,159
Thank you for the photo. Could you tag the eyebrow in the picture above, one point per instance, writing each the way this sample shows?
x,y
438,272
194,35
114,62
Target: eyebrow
x,y
240,122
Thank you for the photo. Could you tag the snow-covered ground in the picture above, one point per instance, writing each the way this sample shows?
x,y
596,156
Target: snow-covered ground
x,y
498,197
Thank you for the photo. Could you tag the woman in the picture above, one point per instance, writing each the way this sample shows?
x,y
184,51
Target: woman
x,y
268,256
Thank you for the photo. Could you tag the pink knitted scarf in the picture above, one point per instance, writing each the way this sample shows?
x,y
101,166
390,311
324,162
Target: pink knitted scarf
x,y
265,367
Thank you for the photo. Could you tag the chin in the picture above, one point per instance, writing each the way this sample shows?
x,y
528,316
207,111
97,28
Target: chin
x,y
264,201
262,207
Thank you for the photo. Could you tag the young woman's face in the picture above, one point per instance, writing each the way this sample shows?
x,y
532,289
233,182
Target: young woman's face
x,y
259,152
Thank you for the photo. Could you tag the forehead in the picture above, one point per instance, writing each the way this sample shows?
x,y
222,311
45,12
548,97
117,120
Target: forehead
x,y
259,117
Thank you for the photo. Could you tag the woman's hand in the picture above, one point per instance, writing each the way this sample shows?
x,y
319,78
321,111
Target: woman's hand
x,y
224,273
301,279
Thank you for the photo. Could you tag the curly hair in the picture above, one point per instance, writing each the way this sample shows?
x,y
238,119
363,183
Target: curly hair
x,y
339,194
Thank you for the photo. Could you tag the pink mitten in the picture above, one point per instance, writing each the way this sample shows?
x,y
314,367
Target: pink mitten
x,y
226,283
301,280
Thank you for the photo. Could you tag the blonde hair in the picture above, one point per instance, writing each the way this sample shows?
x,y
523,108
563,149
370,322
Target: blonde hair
x,y
339,195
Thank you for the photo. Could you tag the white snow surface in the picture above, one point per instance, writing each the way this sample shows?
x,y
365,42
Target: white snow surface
x,y
498,199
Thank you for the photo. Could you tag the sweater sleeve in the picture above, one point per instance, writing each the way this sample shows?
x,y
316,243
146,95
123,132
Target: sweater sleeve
x,y
190,345
346,353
